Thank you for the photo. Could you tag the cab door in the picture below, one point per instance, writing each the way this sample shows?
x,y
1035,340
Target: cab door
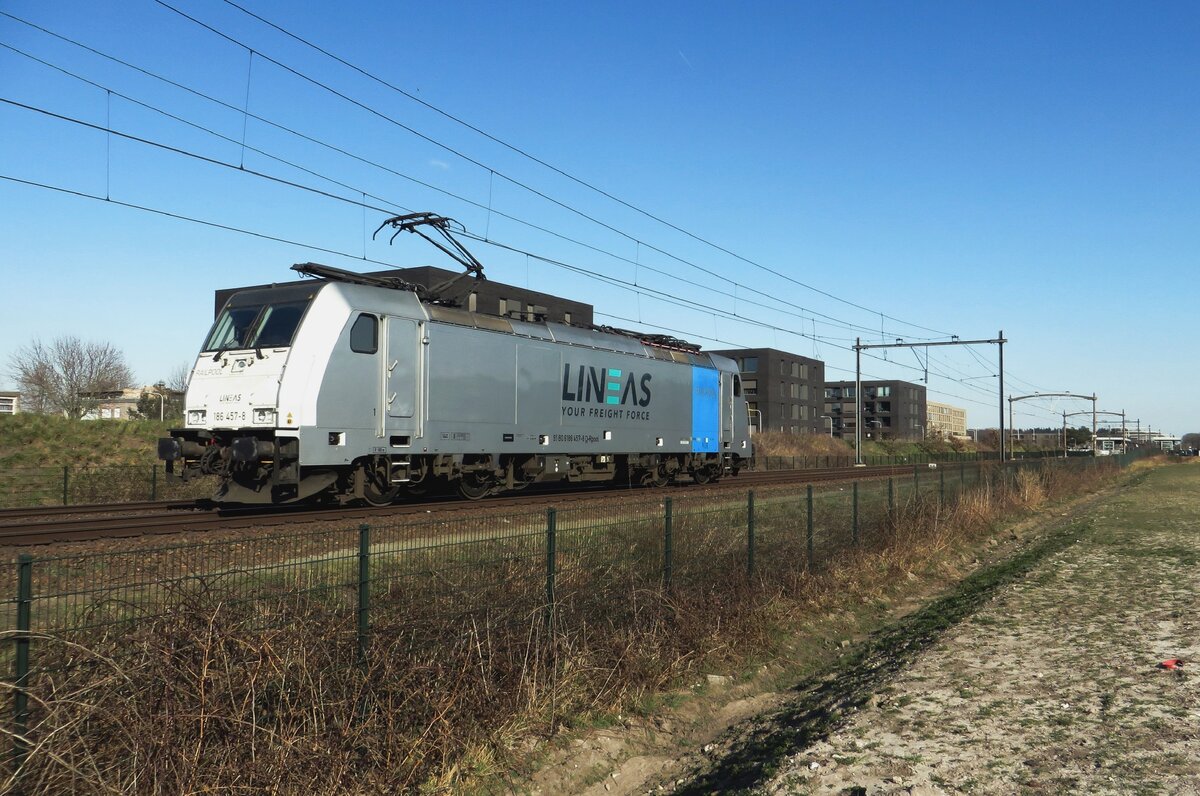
x,y
402,361
727,407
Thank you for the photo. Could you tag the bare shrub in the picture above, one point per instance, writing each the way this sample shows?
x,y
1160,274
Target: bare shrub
x,y
256,688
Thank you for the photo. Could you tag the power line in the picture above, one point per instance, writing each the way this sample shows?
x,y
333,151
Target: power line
x,y
340,253
446,147
642,291
561,172
830,320
242,169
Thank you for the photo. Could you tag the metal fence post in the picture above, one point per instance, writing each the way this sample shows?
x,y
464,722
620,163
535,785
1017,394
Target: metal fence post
x,y
668,546
750,533
66,482
941,487
153,482
854,518
916,483
551,560
808,540
364,590
962,475
20,694
891,495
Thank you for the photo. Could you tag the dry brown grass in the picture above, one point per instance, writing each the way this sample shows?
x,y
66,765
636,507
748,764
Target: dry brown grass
x,y
268,695
779,443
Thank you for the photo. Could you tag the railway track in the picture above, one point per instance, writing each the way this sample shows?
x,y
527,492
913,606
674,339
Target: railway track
x,y
45,525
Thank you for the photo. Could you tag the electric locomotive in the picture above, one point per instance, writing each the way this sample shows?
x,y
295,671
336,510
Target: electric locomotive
x,y
356,387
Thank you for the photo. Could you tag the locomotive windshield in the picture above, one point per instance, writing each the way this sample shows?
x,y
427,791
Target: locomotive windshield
x,y
247,323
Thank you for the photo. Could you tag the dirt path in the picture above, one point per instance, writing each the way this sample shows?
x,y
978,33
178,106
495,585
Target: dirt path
x,y
1051,687
1036,674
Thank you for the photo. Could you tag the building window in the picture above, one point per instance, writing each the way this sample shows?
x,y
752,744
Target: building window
x,y
473,302
750,386
567,318
794,390
783,368
795,411
749,364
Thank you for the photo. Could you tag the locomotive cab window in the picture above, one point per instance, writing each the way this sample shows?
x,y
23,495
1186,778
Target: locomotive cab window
x,y
259,319
364,334
737,386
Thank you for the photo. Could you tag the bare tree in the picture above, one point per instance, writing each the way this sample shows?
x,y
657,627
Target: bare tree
x,y
68,375
178,380
164,400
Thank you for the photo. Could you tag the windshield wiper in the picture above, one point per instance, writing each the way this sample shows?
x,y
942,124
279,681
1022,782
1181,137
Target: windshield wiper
x,y
225,349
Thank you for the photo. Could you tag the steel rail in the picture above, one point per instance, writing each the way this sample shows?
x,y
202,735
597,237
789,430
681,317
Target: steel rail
x,y
104,521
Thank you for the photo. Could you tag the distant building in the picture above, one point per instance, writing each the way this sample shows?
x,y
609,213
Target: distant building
x,y
485,296
950,421
1154,439
10,403
890,409
784,391
122,404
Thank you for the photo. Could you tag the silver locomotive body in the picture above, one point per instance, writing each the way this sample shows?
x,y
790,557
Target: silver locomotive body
x,y
359,392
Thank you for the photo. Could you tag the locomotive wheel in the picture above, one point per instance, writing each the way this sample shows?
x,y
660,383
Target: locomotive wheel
x,y
376,489
702,475
659,477
473,486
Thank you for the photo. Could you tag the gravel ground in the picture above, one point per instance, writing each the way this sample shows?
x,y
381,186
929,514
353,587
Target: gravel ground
x,y
1054,686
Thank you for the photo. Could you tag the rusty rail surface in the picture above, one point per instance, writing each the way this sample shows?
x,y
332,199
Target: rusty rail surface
x,y
45,525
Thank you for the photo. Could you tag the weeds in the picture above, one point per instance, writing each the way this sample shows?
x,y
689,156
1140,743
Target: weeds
x,y
226,691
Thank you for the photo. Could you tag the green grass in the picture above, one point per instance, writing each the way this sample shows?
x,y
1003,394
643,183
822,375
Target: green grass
x,y
28,440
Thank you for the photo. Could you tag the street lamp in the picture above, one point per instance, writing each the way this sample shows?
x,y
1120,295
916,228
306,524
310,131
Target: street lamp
x,y
830,419
162,400
878,424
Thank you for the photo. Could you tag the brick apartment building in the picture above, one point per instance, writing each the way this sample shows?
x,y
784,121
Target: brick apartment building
x,y
784,391
891,409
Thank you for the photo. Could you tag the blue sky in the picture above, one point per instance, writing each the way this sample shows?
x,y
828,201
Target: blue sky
x,y
958,168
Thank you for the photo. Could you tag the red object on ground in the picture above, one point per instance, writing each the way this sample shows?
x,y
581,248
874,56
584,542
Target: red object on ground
x,y
1172,663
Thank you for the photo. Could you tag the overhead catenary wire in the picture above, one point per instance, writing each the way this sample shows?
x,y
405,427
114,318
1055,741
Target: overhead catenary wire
x,y
389,209
733,316
342,253
557,170
525,186
640,290
337,252
806,310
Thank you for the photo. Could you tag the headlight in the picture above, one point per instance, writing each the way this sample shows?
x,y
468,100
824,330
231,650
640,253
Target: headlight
x,y
264,416
196,416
